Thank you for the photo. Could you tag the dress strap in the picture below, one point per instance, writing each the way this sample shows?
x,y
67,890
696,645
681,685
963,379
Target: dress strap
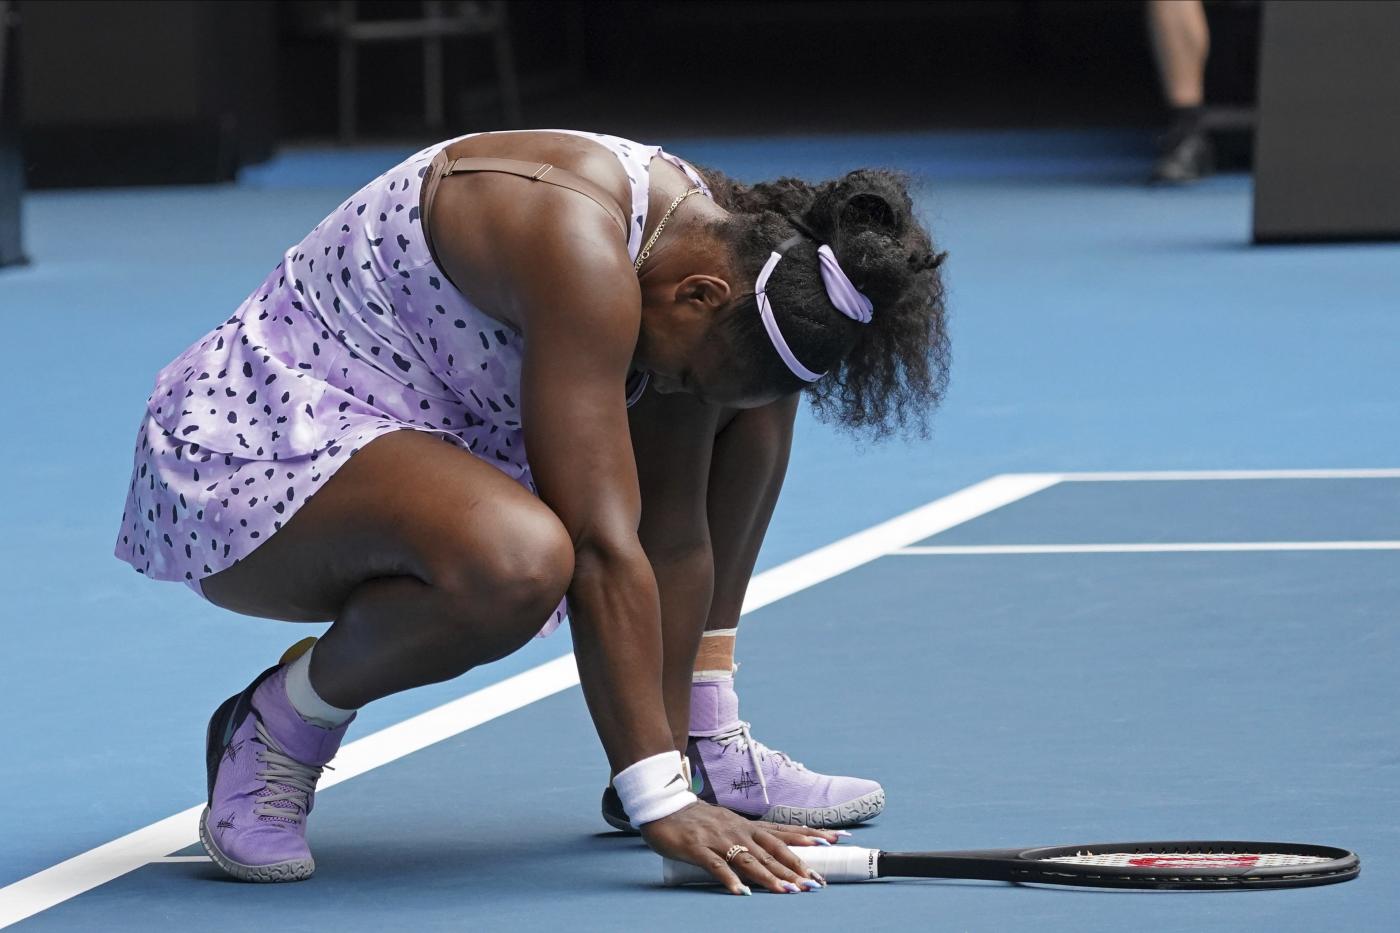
x,y
441,167
689,171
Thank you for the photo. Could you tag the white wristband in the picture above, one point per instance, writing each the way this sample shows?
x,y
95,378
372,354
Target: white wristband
x,y
653,788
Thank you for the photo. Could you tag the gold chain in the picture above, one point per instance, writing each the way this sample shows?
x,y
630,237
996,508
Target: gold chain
x,y
646,250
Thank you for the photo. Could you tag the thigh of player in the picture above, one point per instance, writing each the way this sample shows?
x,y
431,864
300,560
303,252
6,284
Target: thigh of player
x,y
406,504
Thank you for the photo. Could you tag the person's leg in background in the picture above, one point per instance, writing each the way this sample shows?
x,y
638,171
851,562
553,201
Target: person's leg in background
x,y
1180,43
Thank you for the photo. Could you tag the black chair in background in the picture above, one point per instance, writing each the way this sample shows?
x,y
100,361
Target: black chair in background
x,y
437,21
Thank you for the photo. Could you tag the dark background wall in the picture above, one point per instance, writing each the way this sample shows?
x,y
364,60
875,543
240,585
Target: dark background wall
x,y
1329,133
146,92
738,67
116,91
11,162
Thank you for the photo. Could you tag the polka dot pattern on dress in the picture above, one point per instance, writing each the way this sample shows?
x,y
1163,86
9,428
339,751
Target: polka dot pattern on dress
x,y
355,333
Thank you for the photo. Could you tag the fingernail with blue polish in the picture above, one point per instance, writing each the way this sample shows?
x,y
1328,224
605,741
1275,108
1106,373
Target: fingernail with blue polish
x,y
820,841
791,888
744,889
841,832
811,885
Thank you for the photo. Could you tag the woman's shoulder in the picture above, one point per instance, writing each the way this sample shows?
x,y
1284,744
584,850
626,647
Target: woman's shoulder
x,y
608,161
497,236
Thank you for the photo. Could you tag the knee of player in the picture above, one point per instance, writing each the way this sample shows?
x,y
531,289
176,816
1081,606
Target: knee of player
x,y
530,580
521,573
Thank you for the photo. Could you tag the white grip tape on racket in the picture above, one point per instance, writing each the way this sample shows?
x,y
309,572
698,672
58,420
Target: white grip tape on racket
x,y
835,864
654,787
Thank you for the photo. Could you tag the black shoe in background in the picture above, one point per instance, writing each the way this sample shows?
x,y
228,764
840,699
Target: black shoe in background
x,y
1190,159
1187,154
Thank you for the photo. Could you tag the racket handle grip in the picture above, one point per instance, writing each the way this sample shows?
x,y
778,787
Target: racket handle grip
x,y
839,864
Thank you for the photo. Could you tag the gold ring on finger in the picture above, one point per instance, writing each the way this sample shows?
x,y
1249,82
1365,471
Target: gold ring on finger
x,y
734,852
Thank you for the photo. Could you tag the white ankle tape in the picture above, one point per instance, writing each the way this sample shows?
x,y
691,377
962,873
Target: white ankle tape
x,y
714,676
653,788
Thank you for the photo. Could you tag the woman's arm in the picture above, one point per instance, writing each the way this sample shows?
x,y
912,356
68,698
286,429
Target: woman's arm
x,y
560,271
553,265
580,307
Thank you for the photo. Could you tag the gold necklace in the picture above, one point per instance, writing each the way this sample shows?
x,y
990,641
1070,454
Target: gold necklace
x,y
646,250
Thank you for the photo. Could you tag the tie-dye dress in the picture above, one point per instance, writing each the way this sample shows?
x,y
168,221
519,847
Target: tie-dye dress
x,y
356,333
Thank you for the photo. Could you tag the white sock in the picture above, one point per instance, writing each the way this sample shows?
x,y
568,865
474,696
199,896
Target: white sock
x,y
306,701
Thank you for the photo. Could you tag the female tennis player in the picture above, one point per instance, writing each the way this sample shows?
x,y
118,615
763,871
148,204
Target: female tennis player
x,y
351,445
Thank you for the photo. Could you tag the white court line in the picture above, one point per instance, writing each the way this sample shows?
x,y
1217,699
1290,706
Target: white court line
x,y
54,885
180,858
1155,548
43,890
1149,475
879,540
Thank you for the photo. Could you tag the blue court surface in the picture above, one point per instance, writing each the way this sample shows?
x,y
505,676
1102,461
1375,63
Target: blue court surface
x,y
1142,582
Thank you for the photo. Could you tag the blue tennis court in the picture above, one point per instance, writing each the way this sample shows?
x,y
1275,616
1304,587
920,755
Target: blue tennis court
x,y
1195,640
1127,688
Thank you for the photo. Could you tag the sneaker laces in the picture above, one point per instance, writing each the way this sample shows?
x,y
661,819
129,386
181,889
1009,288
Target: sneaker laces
x,y
740,737
285,771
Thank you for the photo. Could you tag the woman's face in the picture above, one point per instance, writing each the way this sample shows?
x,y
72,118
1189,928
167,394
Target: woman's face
x,y
686,348
689,289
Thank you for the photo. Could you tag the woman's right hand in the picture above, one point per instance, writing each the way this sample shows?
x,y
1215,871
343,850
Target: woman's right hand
x,y
702,834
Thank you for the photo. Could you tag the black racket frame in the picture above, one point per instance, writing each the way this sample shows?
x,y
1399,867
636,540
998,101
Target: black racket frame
x,y
1027,866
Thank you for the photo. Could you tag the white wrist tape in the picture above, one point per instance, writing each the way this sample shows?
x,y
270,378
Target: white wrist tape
x,y
653,788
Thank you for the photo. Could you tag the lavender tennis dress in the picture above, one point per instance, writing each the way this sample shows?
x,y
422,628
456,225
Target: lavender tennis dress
x,y
355,334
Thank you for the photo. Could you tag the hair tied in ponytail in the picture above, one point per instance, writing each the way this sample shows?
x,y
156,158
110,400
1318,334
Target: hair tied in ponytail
x,y
923,262
866,210
802,228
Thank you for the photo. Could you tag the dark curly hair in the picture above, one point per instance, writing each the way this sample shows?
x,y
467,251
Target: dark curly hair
x,y
888,374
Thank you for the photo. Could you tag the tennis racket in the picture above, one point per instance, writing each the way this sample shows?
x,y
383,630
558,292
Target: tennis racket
x,y
1182,866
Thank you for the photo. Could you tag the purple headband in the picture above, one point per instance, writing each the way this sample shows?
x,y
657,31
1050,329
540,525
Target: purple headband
x,y
839,288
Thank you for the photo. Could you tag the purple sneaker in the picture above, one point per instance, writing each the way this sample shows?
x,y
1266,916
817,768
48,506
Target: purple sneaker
x,y
264,761
732,769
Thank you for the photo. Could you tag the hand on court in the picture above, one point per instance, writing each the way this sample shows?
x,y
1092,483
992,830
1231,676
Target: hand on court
x,y
702,833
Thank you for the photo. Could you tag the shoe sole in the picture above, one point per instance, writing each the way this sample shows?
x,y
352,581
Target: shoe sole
x,y
294,870
619,824
851,813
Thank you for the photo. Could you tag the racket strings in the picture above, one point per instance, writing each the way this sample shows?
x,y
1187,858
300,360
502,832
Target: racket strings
x,y
1186,860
